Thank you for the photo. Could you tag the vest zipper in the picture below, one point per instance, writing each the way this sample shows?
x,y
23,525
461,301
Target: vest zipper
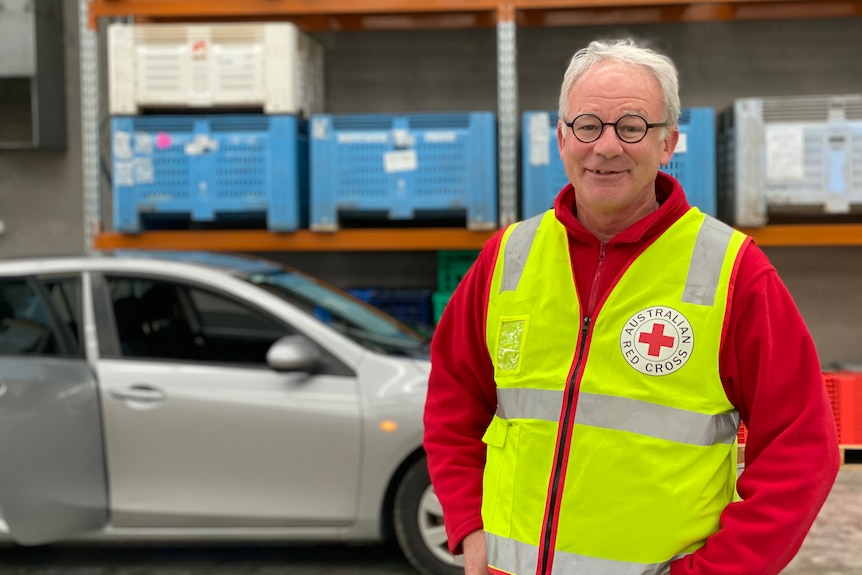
x,y
571,405
594,292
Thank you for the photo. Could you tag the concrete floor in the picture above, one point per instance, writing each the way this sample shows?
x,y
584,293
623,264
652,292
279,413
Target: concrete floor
x,y
834,544
833,547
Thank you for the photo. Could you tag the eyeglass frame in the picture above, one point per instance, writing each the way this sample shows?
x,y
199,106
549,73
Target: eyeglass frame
x,y
571,126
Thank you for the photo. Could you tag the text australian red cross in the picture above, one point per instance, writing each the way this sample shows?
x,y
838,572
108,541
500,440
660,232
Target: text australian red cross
x,y
656,339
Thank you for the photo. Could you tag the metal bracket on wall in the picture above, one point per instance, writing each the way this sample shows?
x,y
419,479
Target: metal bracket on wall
x,y
507,122
89,75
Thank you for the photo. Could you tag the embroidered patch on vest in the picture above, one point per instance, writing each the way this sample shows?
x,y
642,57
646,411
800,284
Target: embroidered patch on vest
x,y
510,344
657,340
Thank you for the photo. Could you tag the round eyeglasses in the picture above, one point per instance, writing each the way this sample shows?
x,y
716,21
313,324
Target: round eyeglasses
x,y
631,128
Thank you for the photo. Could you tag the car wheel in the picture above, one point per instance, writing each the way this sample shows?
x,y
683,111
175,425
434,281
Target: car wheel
x,y
419,526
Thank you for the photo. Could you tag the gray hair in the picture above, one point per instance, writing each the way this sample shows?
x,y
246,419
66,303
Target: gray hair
x,y
626,51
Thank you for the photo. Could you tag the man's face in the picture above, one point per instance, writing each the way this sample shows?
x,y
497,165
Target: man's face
x,y
610,175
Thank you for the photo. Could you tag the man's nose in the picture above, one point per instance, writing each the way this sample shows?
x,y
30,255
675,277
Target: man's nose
x,y
608,144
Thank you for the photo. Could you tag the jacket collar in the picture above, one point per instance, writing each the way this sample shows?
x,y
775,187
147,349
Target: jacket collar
x,y
672,205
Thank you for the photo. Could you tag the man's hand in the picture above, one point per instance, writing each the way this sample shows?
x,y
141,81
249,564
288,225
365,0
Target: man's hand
x,y
475,554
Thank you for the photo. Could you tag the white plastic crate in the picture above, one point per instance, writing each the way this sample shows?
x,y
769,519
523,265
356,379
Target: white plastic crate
x,y
793,155
273,66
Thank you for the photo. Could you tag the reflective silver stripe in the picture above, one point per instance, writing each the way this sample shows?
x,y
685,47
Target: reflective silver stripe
x,y
511,556
656,420
521,559
517,249
706,261
524,403
623,414
566,563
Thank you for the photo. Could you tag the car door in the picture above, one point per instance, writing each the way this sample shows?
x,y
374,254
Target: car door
x,y
52,477
201,433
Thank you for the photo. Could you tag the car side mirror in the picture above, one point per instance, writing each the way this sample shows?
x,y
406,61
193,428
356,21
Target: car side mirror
x,y
293,353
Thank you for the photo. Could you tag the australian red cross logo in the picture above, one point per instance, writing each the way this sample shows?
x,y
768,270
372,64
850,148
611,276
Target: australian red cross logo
x,y
657,340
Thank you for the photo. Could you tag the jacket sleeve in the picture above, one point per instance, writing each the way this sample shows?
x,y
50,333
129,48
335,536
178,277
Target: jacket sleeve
x,y
461,400
771,372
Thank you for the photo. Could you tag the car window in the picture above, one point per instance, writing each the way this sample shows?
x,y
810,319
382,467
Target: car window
x,y
361,322
164,320
25,324
65,297
219,314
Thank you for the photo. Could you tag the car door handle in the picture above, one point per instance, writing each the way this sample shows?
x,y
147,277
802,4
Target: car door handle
x,y
138,393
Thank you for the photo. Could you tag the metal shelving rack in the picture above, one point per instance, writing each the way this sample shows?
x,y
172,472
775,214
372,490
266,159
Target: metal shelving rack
x,y
506,15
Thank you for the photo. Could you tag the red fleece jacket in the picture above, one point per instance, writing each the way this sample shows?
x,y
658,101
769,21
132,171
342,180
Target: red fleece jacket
x,y
769,369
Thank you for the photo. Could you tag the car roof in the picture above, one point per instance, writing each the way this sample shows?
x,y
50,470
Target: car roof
x,y
140,260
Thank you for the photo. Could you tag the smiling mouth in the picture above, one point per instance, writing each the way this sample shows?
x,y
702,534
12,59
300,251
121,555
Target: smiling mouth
x,y
603,172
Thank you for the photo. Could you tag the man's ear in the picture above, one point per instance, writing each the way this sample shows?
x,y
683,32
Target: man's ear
x,y
670,141
560,141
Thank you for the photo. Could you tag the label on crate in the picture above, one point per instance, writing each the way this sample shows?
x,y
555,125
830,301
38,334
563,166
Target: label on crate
x,y
540,139
403,138
400,161
123,175
200,47
201,144
320,128
143,143
362,137
682,144
440,137
122,145
145,172
836,205
785,153
134,172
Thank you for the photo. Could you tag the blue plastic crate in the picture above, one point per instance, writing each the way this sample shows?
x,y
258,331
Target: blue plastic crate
x,y
693,163
412,306
210,168
404,167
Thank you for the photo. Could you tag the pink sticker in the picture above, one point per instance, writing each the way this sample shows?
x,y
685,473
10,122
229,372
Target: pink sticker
x,y
163,140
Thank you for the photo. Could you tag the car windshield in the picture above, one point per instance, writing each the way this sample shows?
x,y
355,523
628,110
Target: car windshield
x,y
363,323
360,321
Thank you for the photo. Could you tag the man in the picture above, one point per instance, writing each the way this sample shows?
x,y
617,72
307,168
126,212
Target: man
x,y
591,369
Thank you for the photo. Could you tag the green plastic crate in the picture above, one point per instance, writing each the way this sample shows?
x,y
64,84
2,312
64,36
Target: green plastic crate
x,y
439,299
451,267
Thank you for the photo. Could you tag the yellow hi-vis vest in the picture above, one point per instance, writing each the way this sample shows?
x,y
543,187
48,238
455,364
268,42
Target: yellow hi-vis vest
x,y
613,448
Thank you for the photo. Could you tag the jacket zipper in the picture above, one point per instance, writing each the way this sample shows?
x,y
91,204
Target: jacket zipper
x,y
594,292
571,405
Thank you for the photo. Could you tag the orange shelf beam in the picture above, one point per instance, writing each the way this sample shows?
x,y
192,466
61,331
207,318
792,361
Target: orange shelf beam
x,y
373,240
597,12
773,5
798,235
383,14
415,239
243,9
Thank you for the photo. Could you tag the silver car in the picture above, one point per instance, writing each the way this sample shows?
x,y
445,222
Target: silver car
x,y
205,397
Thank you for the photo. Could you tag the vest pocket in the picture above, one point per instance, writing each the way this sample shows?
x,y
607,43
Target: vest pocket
x,y
501,439
511,337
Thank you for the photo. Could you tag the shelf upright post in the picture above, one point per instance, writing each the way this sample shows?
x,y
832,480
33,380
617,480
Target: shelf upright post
x,y
507,114
89,78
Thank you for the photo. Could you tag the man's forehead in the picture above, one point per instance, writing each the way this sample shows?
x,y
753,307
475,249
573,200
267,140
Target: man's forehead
x,y
624,87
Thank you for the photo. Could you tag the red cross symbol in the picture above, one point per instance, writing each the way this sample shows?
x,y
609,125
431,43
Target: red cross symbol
x,y
656,339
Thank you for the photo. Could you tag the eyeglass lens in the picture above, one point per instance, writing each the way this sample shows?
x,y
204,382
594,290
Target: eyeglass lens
x,y
588,128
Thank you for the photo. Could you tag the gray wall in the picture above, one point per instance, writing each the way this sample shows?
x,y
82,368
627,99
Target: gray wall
x,y
41,199
41,192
